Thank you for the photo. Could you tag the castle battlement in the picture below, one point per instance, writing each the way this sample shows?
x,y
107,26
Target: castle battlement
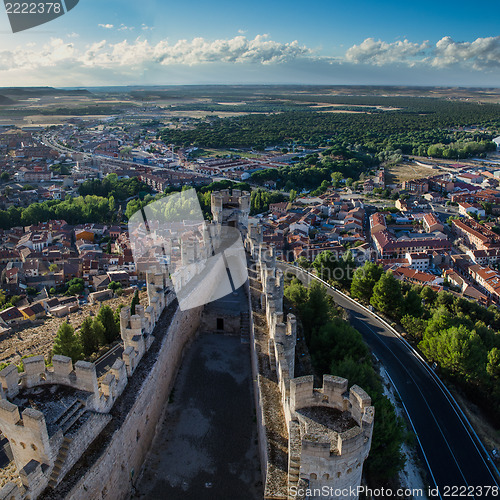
x,y
231,207
329,428
50,415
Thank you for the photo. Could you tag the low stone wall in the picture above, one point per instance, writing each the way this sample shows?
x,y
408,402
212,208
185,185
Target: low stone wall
x,y
113,473
83,438
259,408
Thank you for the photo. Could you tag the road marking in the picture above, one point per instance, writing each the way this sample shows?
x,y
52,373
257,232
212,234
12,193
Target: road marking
x,y
414,430
462,419
425,400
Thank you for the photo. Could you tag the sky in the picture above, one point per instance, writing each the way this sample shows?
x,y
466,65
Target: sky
x,y
158,42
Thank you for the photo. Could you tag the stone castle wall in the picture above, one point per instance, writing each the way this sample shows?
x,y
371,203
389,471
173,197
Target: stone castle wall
x,y
44,461
47,461
319,453
112,475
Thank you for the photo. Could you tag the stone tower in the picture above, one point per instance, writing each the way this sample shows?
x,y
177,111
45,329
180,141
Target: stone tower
x,y
231,208
329,428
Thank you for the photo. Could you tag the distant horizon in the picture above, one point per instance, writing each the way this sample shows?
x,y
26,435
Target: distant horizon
x,y
283,43
381,86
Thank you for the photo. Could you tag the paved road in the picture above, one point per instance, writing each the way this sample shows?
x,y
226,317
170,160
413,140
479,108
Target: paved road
x,y
450,452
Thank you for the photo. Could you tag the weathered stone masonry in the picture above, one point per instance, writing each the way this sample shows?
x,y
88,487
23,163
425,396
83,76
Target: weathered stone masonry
x,y
329,428
46,444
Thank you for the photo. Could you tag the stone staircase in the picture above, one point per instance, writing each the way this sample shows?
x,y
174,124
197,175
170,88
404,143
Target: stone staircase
x,y
68,418
71,415
74,417
245,327
293,472
294,450
59,463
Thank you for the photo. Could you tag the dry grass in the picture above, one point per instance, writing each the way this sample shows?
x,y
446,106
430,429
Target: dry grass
x,y
405,172
486,432
9,473
38,340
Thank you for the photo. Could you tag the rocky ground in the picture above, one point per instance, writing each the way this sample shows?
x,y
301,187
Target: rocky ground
x,y
9,474
36,340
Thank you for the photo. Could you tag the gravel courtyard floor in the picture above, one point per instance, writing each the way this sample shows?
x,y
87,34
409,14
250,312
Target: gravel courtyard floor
x,y
207,445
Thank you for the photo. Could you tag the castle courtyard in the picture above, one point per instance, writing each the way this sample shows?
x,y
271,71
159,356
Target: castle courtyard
x,y
207,446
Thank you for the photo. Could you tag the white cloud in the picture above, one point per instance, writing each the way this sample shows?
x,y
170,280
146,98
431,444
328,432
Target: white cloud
x,y
235,50
380,53
32,56
106,26
68,61
481,54
141,54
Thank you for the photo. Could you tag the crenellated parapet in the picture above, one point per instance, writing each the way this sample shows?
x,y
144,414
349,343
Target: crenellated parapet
x,y
332,399
51,414
330,428
27,434
254,238
81,376
231,207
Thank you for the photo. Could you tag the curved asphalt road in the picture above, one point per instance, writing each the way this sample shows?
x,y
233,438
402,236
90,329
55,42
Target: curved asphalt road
x,y
451,453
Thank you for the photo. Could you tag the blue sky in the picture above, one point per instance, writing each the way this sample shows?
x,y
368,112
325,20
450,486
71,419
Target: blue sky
x,y
116,42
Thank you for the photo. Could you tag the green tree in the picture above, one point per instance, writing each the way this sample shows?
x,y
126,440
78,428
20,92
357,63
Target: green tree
x,y
428,295
106,317
387,296
457,350
88,338
386,459
364,280
116,316
66,343
331,269
99,331
75,286
114,285
337,179
135,302
303,262
412,303
493,366
414,326
336,340
53,268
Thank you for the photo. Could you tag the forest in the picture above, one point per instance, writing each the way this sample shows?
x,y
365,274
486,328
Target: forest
x,y
413,125
338,348
316,168
459,335
73,210
120,189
